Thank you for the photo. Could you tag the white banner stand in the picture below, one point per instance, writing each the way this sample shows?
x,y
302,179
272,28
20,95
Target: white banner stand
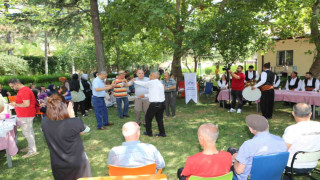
x,y
191,90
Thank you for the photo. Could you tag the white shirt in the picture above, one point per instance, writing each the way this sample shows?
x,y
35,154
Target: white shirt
x,y
223,84
156,90
263,79
293,82
309,83
276,84
303,136
250,75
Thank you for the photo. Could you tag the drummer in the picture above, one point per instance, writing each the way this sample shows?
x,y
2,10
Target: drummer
x,y
267,91
276,82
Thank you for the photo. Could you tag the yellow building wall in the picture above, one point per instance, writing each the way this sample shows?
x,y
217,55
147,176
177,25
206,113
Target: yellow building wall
x,y
301,59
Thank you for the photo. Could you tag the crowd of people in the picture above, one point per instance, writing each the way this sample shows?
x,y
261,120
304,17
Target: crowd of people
x,y
62,127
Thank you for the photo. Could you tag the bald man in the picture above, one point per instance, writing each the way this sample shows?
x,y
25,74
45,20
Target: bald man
x,y
156,99
210,162
133,153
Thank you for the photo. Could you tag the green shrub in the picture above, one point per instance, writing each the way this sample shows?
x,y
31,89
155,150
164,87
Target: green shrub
x,y
56,65
208,70
10,64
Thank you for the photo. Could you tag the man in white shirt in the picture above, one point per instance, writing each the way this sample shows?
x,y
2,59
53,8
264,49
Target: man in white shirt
x,y
156,98
302,136
293,82
251,75
276,82
310,83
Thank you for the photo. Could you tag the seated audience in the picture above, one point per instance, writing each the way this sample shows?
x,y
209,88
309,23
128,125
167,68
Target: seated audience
x,y
276,81
133,153
310,83
263,143
302,136
62,130
4,92
210,162
293,82
53,90
66,93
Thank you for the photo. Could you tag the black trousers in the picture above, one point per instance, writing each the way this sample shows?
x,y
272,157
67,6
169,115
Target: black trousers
x,y
236,95
155,109
267,102
87,101
76,107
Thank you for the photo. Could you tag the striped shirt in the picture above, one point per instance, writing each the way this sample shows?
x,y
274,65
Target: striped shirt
x,y
118,90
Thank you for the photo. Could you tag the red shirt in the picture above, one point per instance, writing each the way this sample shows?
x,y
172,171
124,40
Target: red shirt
x,y
26,94
202,165
238,84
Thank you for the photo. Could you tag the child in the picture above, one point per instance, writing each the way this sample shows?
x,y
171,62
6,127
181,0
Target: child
x,y
66,93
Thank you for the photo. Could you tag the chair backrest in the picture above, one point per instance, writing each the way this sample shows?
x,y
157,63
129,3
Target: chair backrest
x,y
139,177
301,156
223,177
12,98
208,88
123,171
181,85
268,167
6,98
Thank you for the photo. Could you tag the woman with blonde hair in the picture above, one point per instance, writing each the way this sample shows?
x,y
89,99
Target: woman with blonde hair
x,y
62,133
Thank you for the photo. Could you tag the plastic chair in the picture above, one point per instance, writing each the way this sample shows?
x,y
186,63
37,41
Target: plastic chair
x,y
268,167
122,171
181,88
303,157
139,177
12,98
223,177
208,89
6,98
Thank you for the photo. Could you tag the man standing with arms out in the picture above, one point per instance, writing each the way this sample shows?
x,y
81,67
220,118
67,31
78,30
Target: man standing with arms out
x,y
25,107
302,136
121,94
156,99
141,104
133,153
310,83
237,86
293,82
99,105
267,91
210,162
170,94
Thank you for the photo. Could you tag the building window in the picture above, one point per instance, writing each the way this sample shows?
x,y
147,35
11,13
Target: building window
x,y
285,57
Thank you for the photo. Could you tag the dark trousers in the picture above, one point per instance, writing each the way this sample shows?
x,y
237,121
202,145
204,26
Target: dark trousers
x,y
170,102
100,110
236,95
267,102
297,171
155,109
87,101
76,107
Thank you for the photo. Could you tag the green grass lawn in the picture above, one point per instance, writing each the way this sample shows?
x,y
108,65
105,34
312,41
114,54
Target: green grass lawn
x,y
181,140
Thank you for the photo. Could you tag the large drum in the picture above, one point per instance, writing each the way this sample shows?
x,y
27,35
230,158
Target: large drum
x,y
251,95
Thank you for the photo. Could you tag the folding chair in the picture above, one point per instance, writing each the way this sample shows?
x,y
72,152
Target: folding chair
x,y
223,177
122,171
304,157
137,177
269,167
208,89
181,89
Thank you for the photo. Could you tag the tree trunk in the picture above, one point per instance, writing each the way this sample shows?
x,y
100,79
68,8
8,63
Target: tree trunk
x,y
9,35
98,39
195,63
315,34
176,66
118,58
46,52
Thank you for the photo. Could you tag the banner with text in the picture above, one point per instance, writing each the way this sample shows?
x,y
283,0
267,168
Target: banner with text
x,y
190,81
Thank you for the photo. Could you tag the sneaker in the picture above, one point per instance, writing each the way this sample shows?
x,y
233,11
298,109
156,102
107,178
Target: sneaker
x,y
232,110
145,133
239,111
29,154
126,116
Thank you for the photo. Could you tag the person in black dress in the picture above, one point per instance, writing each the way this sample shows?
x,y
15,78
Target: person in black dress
x,y
87,91
62,133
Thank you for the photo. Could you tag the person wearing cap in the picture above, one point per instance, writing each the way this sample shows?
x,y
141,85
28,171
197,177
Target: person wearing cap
x,y
302,136
267,91
263,143
121,94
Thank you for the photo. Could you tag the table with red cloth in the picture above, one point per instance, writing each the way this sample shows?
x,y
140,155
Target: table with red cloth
x,y
312,98
8,130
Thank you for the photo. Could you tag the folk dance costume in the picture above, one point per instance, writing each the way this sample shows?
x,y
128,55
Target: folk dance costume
x,y
251,77
276,82
293,84
310,85
267,93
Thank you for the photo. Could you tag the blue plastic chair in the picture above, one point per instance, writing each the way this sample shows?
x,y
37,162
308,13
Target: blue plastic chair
x,y
208,89
269,167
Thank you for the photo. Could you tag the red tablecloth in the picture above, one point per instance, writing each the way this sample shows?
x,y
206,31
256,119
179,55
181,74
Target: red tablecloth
x,y
9,143
312,98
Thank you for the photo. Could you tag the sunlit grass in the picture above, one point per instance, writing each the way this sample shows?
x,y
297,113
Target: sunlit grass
x,y
181,141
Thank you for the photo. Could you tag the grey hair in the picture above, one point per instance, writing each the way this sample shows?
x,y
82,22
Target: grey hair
x,y
209,131
102,72
14,81
302,110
